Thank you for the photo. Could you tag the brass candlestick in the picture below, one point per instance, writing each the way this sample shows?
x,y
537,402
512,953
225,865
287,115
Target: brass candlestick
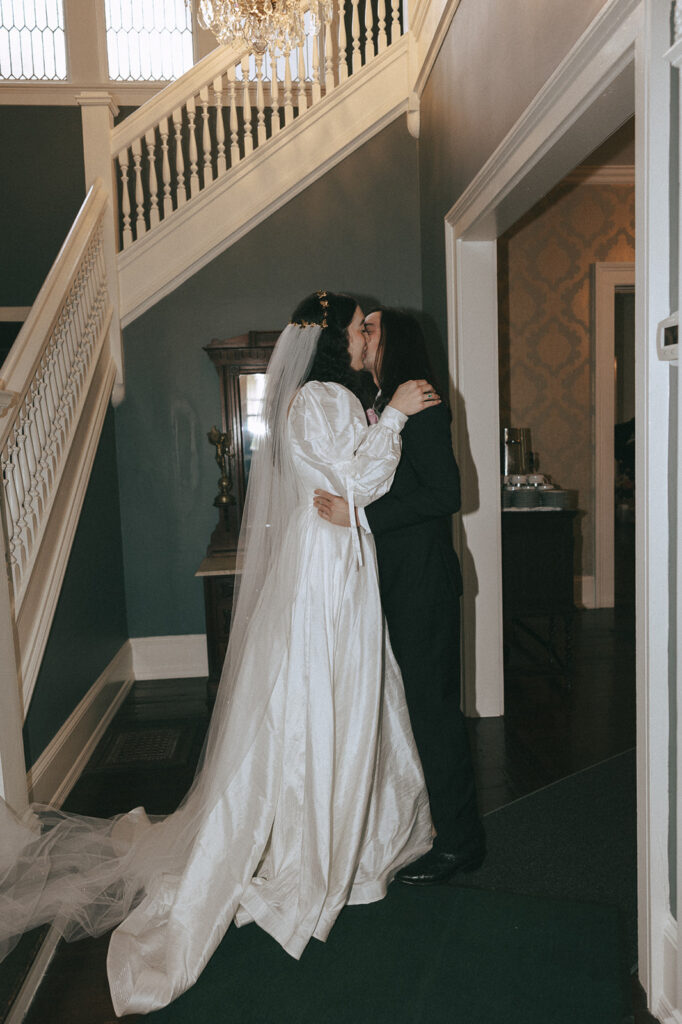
x,y
224,451
224,537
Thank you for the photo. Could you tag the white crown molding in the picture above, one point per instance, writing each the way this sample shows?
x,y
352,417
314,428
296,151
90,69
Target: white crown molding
x,y
169,657
262,183
604,174
583,73
58,768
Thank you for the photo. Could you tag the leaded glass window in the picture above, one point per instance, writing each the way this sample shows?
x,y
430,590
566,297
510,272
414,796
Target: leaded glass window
x,y
148,40
32,41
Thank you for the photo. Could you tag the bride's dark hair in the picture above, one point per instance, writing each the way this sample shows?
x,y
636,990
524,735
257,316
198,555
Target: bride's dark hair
x,y
333,313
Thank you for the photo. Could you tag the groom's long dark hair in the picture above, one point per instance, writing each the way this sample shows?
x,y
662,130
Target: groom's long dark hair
x,y
401,354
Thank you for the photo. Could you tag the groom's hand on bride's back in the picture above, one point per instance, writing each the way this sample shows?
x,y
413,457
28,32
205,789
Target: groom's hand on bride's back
x,y
332,507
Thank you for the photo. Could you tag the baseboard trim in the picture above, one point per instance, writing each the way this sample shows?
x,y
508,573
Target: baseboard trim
x,y
169,657
56,771
38,969
584,591
665,1008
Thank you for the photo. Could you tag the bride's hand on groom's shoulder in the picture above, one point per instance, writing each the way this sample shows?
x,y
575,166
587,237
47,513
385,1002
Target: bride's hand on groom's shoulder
x,y
413,396
332,507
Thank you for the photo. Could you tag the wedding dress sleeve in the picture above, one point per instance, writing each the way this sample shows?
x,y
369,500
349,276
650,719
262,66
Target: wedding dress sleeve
x,y
329,432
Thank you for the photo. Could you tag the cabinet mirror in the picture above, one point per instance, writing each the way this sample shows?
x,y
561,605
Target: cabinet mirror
x,y
241,363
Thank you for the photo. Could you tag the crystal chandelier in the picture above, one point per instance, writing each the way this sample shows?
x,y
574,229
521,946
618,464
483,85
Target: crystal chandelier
x,y
262,24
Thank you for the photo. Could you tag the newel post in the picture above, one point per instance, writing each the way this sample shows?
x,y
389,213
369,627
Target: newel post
x,y
98,111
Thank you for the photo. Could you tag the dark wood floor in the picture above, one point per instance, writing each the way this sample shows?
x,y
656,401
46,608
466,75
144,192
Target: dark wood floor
x,y
550,730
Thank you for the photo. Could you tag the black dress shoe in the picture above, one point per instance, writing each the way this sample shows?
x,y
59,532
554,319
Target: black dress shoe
x,y
438,866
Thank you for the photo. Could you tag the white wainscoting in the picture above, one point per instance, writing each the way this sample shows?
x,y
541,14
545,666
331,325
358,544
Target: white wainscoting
x,y
169,657
57,769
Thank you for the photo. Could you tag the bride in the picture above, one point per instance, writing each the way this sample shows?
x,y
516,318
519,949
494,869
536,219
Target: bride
x,y
310,794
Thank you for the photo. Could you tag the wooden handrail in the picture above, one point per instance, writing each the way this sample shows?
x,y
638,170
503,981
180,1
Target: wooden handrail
x,y
19,366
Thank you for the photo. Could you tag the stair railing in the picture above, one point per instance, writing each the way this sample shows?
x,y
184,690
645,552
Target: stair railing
x,y
201,126
46,383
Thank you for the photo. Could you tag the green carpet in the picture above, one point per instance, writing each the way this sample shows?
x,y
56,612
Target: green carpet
x,y
424,956
575,839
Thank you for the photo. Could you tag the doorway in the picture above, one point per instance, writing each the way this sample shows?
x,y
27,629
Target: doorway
x,y
614,66
613,286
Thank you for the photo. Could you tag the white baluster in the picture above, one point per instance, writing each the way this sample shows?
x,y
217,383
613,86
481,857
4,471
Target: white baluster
x,y
11,506
343,66
382,39
288,93
25,476
17,479
14,506
165,168
140,226
302,97
221,165
125,198
38,490
181,188
43,430
328,57
150,139
369,31
246,109
193,154
315,90
260,99
395,20
36,435
355,32
274,96
234,121
206,138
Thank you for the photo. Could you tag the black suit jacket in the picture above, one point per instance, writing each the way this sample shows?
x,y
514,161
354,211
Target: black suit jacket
x,y
412,523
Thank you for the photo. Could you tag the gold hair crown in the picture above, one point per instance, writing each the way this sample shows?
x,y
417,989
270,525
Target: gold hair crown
x,y
324,302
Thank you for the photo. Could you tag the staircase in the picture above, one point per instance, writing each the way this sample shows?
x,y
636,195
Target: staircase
x,y
170,187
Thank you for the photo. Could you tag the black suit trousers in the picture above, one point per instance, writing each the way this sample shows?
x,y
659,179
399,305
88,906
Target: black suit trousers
x,y
424,631
421,584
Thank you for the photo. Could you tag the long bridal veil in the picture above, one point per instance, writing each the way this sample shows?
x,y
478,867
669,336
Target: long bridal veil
x,y
86,874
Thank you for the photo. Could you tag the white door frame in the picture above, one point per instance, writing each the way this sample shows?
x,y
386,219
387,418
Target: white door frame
x,y
608,277
614,67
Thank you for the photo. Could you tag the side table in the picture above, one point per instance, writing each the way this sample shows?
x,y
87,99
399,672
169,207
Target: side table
x,y
218,573
537,575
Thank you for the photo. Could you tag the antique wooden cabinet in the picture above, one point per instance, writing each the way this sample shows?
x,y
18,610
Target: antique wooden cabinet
x,y
241,363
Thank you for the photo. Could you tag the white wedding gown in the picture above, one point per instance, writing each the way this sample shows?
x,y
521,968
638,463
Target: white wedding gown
x,y
327,800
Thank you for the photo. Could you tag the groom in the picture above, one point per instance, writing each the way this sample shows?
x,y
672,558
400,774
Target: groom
x,y
421,586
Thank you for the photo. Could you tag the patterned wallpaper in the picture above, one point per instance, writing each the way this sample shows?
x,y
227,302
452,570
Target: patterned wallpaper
x,y
545,329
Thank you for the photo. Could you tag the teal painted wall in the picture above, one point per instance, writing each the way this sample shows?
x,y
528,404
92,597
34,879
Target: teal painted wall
x,y
43,186
90,622
354,230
